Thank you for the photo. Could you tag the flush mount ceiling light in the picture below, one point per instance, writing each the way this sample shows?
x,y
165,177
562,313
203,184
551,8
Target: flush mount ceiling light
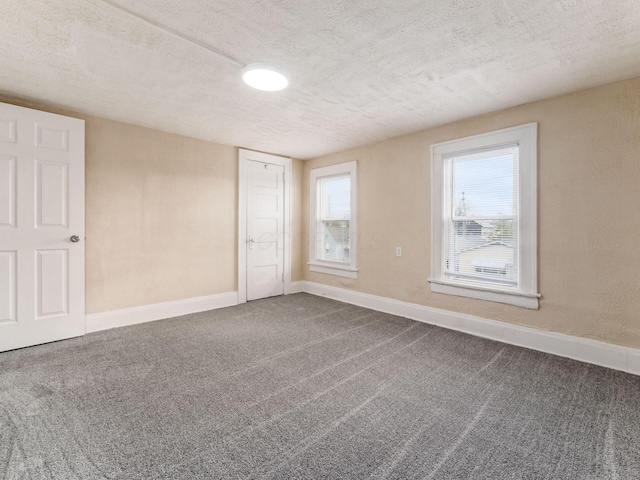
x,y
264,77
257,75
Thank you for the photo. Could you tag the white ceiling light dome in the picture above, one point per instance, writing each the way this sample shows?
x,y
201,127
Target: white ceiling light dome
x,y
264,77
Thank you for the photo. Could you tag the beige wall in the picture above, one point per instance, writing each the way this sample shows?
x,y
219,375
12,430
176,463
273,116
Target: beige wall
x,y
160,215
588,215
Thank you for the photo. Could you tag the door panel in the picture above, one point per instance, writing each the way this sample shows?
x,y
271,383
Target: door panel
x,y
7,191
52,193
265,229
7,287
41,207
52,279
47,137
7,130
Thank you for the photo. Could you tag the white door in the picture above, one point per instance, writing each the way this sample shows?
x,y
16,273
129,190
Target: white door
x,y
41,227
265,230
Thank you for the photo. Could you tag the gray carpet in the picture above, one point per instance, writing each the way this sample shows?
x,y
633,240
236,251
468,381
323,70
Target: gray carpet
x,y
306,387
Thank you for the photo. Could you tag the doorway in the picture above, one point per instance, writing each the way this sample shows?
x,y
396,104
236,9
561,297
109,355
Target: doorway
x,y
264,225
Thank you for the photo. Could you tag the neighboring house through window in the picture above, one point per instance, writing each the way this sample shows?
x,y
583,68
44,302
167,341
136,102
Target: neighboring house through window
x,y
333,220
484,232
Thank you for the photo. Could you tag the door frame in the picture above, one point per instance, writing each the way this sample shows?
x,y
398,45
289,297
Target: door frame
x,y
245,156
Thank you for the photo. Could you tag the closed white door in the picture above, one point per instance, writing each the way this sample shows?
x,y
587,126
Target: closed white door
x,y
41,227
265,230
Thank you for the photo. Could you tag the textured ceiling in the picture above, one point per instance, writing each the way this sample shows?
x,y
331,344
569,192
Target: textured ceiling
x,y
361,70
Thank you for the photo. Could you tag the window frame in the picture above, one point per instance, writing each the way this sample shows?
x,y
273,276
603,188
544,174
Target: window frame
x,y
524,294
348,270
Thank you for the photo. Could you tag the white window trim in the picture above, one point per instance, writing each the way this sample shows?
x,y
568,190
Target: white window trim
x,y
347,270
525,294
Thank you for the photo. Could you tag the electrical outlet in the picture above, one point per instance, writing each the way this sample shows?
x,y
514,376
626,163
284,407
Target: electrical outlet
x,y
398,251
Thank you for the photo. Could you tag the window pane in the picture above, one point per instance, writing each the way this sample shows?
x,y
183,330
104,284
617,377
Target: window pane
x,y
333,226
334,241
484,183
335,197
484,252
482,238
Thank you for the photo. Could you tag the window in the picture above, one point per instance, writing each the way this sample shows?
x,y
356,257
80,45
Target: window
x,y
332,248
483,217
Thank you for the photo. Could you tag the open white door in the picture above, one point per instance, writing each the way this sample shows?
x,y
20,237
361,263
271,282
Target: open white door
x,y
41,227
263,232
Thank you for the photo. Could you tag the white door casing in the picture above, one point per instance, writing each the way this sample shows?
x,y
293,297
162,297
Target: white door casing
x,y
264,263
41,208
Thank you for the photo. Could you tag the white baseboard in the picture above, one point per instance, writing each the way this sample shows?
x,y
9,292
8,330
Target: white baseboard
x,y
296,287
158,311
582,349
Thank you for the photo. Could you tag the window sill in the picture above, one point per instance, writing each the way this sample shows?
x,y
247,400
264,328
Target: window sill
x,y
338,270
519,299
